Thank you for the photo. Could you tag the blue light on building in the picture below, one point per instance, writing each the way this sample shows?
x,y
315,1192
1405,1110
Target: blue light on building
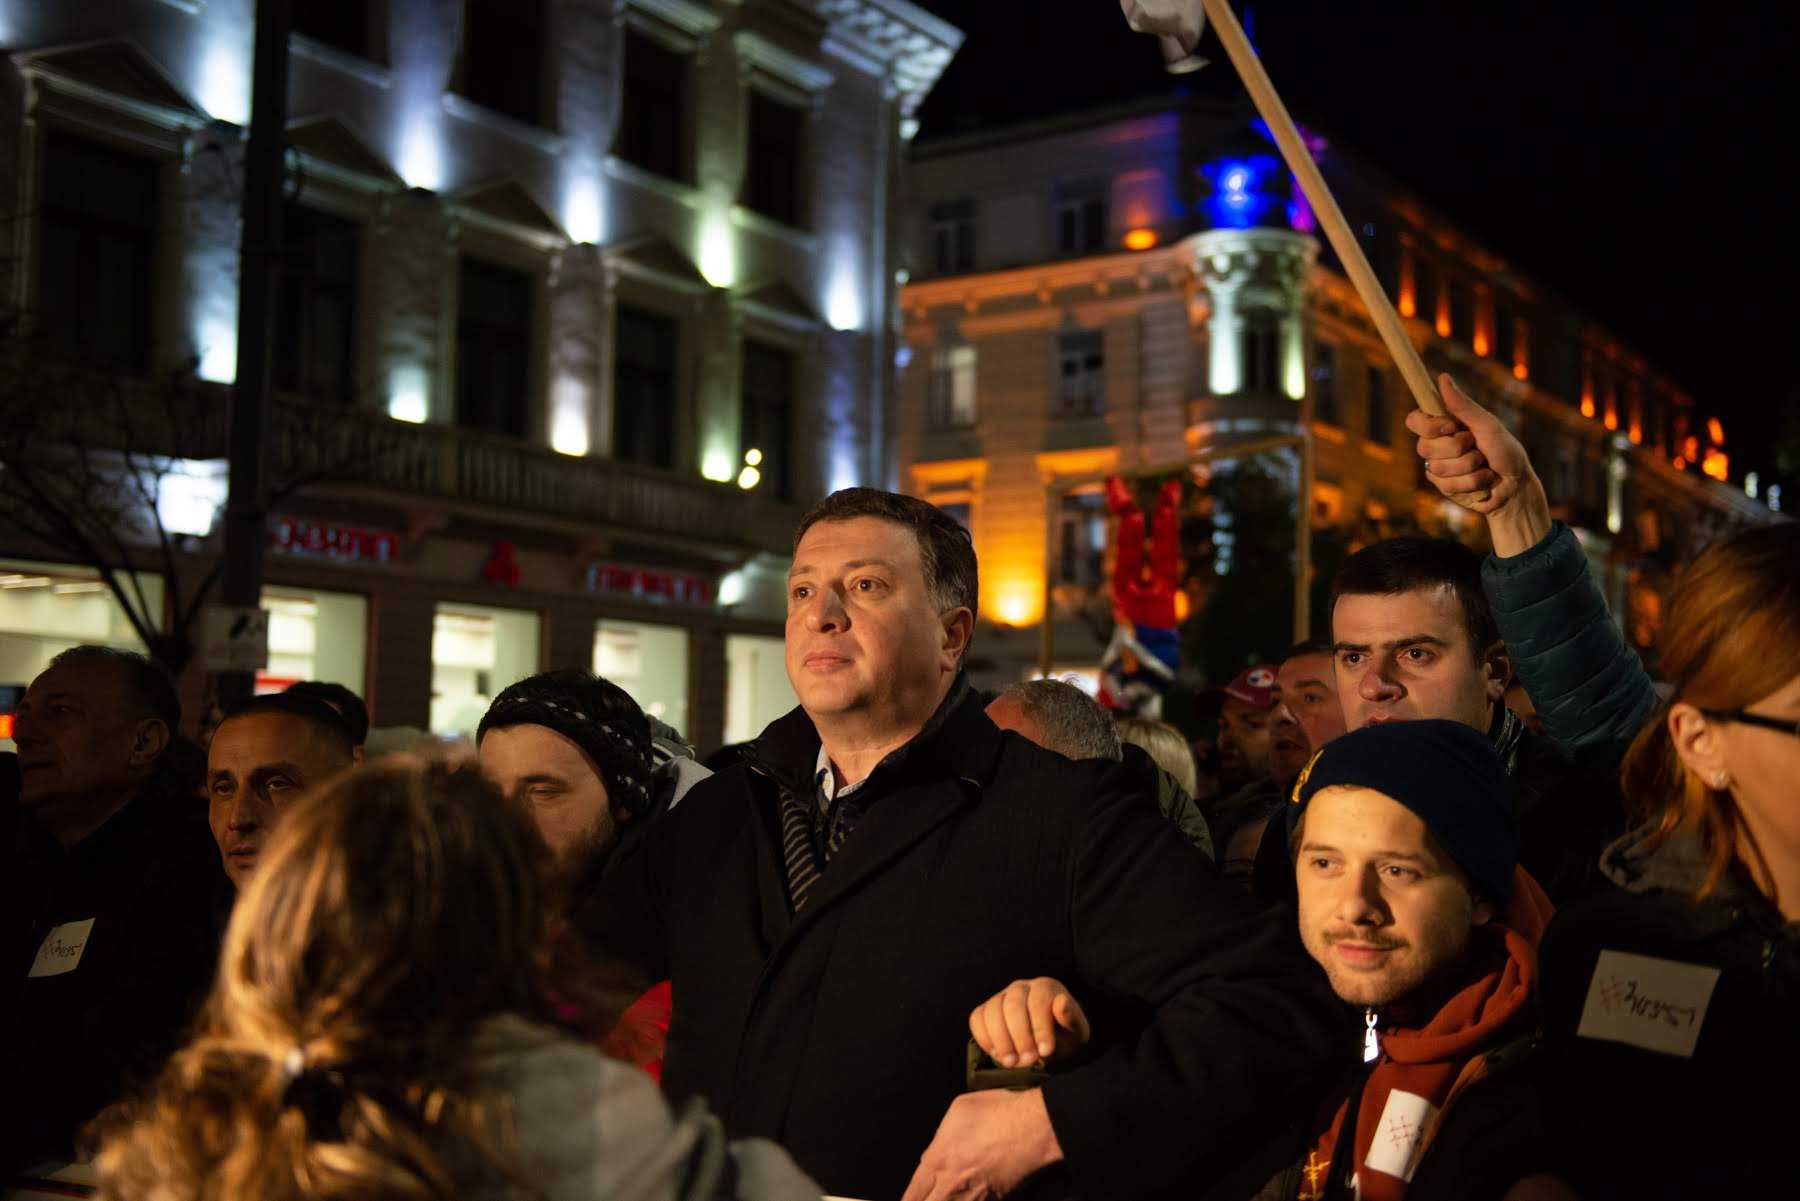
x,y
1245,192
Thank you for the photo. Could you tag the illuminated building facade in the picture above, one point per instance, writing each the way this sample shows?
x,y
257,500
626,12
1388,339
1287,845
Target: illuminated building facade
x,y
603,287
1141,288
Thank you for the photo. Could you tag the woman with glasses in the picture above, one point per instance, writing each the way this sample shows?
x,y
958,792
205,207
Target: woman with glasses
x,y
1672,1002
400,1013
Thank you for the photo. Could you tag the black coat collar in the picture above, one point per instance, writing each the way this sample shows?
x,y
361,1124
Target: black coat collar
x,y
958,741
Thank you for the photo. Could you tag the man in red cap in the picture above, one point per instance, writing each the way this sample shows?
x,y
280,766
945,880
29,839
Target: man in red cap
x,y
1246,728
1260,749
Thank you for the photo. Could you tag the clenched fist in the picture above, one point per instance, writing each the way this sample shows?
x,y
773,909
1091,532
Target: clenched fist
x,y
1028,1021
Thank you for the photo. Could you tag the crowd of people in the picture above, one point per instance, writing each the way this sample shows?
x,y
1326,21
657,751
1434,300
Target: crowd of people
x,y
918,942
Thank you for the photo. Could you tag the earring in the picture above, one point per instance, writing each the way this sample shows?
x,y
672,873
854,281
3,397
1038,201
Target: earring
x,y
1720,780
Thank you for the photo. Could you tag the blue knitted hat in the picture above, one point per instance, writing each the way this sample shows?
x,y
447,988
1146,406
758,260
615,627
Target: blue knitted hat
x,y
1448,774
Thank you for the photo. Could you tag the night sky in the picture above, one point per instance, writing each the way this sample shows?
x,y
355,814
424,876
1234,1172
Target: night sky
x,y
1608,150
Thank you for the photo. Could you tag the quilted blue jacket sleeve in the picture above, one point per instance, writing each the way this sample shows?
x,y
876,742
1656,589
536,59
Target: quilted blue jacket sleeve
x,y
1588,685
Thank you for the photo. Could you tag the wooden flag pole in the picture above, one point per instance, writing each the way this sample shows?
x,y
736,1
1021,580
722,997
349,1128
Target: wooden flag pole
x,y
1324,205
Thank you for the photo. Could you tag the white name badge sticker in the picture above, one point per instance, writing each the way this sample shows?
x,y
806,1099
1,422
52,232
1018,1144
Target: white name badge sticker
x,y
1404,1120
1656,1004
61,949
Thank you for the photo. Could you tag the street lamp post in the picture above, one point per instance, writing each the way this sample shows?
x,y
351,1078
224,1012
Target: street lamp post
x,y
258,263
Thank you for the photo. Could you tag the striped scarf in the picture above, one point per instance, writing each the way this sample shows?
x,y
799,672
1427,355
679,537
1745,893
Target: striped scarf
x,y
815,827
805,849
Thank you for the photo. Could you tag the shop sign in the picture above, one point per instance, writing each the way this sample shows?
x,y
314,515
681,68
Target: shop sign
x,y
649,583
345,543
234,639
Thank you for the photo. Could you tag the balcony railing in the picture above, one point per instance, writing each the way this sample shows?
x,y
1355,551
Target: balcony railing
x,y
322,447
449,464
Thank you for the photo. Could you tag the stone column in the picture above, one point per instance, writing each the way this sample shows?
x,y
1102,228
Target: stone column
x,y
576,327
1255,273
412,278
207,230
719,400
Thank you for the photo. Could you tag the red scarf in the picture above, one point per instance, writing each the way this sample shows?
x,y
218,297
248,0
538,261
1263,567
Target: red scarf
x,y
642,1030
1428,1063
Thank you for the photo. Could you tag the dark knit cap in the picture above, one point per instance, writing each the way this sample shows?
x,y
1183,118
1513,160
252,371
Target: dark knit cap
x,y
1448,774
595,714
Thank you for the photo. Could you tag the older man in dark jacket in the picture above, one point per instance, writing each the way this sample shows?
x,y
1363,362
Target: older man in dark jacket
x,y
108,884
886,858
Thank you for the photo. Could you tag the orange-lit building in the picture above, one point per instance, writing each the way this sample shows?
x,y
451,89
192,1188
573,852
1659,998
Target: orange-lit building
x,y
1140,288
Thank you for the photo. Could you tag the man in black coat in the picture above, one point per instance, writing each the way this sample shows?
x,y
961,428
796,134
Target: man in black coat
x,y
110,884
830,910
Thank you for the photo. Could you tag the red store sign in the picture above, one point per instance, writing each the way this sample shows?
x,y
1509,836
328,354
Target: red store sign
x,y
345,543
648,583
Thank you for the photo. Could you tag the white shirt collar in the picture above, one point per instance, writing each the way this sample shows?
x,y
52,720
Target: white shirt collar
x,y
827,779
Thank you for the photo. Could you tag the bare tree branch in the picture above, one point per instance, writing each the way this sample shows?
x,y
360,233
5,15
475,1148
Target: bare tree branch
x,y
87,458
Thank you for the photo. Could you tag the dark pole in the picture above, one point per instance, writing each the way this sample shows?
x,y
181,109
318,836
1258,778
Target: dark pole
x,y
245,517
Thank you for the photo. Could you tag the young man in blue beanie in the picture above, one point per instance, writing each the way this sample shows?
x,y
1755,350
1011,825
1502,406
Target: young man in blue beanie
x,y
1405,856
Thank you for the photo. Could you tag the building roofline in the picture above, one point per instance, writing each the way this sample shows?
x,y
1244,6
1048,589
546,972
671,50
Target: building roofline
x,y
930,25
1398,196
1148,104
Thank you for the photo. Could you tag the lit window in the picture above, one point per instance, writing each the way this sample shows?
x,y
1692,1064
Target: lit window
x,y
653,107
316,306
768,421
353,26
476,651
645,346
953,237
1080,218
98,220
773,167
1324,384
1081,539
953,388
1260,352
1081,378
493,348
1381,422
503,57
650,662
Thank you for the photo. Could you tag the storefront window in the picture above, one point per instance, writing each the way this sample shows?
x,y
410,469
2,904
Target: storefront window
x,y
756,685
315,636
475,652
49,607
648,661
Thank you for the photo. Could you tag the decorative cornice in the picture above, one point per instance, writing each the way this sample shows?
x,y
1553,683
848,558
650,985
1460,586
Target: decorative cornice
x,y
783,64
374,74
1044,280
673,189
1265,266
905,45
464,109
800,240
696,20
165,105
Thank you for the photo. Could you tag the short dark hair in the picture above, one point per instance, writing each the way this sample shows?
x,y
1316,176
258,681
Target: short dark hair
x,y
323,719
348,705
1407,564
148,688
1308,646
945,548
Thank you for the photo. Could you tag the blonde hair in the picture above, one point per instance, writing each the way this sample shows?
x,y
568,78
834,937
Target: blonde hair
x,y
394,912
1165,744
1731,637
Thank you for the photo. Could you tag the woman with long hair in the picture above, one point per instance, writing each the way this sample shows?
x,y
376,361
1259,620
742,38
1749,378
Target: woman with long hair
x,y
400,1014
1664,995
